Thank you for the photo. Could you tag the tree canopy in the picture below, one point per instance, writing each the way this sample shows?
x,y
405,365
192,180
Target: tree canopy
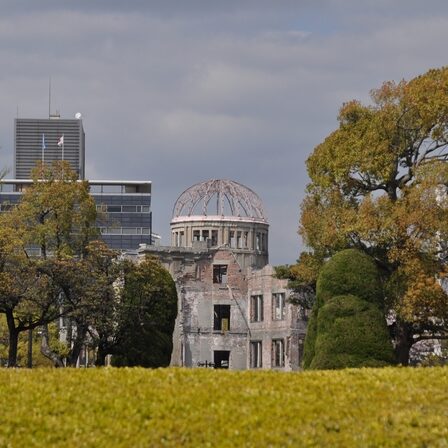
x,y
56,217
146,323
379,184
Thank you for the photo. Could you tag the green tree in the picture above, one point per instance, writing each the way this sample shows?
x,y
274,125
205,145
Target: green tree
x,y
347,327
351,332
378,183
147,317
57,216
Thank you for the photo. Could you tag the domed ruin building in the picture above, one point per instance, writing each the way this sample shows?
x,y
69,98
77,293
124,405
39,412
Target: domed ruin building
x,y
232,312
222,213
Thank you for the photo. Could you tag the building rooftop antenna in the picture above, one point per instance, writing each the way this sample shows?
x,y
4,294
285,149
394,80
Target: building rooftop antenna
x,y
49,97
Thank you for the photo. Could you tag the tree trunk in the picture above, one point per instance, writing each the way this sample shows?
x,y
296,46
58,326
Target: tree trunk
x,y
13,339
103,351
81,332
404,341
46,350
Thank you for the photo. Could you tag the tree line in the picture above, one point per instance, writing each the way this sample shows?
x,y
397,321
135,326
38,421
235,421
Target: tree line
x,y
53,265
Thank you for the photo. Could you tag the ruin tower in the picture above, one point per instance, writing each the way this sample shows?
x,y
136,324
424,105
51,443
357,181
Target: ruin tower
x,y
222,214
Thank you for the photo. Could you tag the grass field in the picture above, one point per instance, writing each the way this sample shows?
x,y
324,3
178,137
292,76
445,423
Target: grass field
x,y
199,408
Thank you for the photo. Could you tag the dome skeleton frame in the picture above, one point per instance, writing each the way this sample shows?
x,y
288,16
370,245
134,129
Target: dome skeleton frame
x,y
242,201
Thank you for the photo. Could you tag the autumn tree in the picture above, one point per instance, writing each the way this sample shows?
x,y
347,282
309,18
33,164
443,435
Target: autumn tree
x,y
379,184
56,216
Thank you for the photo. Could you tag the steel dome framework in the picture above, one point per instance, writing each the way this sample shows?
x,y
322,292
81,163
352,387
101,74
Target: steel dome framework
x,y
226,195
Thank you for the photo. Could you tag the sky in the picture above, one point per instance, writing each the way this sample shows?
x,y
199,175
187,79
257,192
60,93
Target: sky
x,y
179,92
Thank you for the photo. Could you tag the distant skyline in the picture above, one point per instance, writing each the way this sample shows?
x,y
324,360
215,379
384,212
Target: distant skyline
x,y
178,92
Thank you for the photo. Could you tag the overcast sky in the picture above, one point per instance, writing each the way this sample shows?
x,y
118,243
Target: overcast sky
x,y
177,92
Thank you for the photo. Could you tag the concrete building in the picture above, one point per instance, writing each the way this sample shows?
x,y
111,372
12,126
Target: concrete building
x,y
233,313
48,140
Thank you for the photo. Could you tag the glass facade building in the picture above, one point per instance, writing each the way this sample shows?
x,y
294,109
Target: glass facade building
x,y
124,215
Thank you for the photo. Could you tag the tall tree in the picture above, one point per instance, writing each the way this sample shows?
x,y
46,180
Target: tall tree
x,y
56,215
379,184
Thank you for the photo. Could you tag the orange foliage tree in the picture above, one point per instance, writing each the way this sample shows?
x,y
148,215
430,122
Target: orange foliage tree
x,y
379,184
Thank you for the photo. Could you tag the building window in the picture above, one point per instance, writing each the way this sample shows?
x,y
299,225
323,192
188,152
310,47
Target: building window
x,y
232,239
214,237
220,273
114,208
258,241
221,317
196,235
221,359
245,239
278,353
278,306
102,208
256,308
256,355
124,230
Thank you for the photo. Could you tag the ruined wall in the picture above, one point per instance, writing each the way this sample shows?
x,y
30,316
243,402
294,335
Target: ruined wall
x,y
196,339
289,326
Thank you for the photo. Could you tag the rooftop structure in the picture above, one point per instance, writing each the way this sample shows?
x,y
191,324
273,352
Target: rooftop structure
x,y
221,213
48,140
229,197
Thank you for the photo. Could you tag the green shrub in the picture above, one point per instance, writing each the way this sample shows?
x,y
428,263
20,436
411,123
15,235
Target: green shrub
x,y
389,407
349,272
310,338
351,333
146,324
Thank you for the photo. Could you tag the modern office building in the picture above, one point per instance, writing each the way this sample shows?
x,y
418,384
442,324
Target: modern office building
x,y
124,207
124,212
48,140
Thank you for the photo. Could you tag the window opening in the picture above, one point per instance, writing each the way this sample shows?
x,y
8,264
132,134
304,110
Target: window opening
x,y
214,237
256,355
278,353
256,308
220,273
221,317
221,359
278,306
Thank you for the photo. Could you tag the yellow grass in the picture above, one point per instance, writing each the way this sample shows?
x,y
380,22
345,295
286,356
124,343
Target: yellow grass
x,y
197,408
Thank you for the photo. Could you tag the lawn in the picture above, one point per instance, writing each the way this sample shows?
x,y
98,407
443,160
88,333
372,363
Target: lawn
x,y
197,408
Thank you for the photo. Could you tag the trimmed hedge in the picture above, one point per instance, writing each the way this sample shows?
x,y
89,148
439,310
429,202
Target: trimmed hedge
x,y
349,272
347,327
196,408
351,333
310,338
